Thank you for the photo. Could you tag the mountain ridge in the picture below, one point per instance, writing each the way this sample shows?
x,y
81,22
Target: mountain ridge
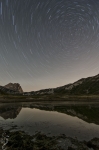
x,y
83,86
89,85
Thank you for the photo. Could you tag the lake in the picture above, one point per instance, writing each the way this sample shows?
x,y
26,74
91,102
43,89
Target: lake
x,y
74,119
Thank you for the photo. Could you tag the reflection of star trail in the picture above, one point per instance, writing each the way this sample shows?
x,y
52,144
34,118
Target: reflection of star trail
x,y
46,41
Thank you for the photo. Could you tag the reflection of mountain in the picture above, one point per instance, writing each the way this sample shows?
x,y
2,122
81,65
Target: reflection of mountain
x,y
87,113
9,112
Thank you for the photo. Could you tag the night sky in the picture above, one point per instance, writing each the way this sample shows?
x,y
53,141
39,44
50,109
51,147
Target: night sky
x,y
48,43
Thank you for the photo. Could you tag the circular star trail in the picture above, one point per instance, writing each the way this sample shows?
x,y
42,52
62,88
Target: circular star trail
x,y
48,43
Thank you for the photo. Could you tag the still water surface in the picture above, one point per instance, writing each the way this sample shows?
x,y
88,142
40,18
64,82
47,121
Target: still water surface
x,y
77,120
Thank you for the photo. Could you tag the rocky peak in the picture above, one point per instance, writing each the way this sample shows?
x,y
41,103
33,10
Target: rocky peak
x,y
15,87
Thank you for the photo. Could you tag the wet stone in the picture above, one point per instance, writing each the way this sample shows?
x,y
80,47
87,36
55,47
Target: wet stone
x,y
94,143
19,140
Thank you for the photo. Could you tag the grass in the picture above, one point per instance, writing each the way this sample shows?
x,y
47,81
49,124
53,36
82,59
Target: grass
x,y
53,97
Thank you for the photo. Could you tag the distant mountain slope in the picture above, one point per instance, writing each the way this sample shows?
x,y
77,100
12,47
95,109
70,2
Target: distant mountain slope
x,y
83,86
88,85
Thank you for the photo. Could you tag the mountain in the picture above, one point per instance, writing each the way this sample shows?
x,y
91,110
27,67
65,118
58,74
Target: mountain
x,y
4,91
84,86
15,87
11,88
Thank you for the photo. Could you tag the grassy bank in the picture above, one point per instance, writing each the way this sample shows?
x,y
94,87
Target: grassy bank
x,y
21,98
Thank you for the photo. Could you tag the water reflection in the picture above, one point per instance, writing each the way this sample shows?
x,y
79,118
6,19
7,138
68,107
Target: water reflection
x,y
75,120
9,111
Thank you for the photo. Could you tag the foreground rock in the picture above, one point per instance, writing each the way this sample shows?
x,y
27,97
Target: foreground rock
x,y
1,132
19,140
94,143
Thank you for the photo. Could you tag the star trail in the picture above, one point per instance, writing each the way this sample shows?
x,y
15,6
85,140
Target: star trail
x,y
48,43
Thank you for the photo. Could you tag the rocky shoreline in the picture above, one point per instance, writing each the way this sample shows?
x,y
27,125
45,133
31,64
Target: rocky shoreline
x,y
19,140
